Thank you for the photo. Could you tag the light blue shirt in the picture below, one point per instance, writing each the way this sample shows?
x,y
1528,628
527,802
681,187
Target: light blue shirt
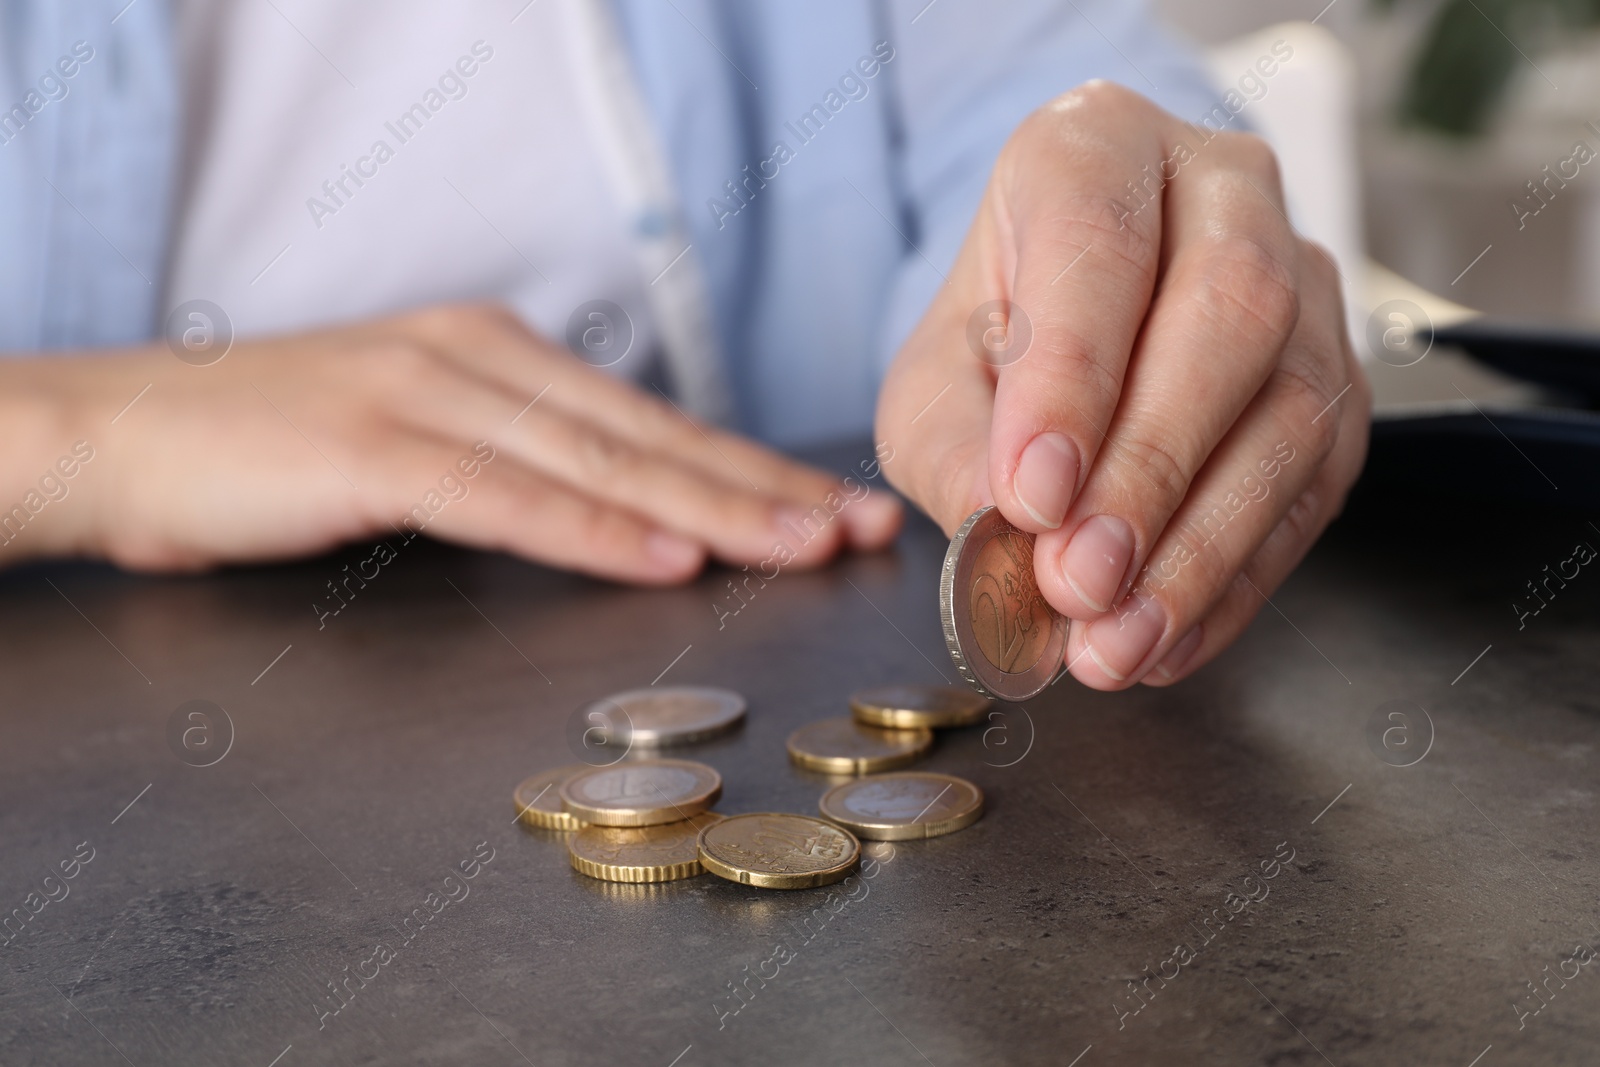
x,y
819,264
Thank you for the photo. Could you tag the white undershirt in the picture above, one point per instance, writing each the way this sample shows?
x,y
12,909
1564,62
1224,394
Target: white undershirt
x,y
492,188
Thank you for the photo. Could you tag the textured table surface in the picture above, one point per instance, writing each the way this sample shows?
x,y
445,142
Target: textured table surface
x,y
219,904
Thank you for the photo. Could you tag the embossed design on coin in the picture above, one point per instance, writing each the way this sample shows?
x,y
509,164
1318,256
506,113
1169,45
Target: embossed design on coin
x,y
779,851
910,804
642,793
902,707
538,799
663,853
1009,614
1004,637
844,746
673,714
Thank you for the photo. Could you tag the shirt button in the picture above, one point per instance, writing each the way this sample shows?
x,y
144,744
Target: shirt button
x,y
653,223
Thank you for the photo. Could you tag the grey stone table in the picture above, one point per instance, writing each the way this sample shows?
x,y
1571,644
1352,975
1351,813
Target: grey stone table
x,y
1363,836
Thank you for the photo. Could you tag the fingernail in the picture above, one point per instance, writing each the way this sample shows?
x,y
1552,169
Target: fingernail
x,y
1096,559
1046,475
1180,654
670,551
1119,643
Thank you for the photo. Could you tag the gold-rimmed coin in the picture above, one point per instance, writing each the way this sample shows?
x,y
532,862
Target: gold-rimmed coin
x,y
1004,637
844,746
661,853
538,799
772,850
902,806
655,717
901,707
641,792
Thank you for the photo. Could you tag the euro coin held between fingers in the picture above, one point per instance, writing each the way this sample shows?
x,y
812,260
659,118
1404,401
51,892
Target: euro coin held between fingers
x,y
937,707
538,799
844,746
1005,638
663,853
671,715
641,793
903,806
777,851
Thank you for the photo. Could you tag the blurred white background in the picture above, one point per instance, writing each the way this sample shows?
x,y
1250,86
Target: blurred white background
x,y
1433,202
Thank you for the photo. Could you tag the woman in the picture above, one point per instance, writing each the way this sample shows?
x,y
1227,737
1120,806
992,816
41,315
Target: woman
x,y
619,243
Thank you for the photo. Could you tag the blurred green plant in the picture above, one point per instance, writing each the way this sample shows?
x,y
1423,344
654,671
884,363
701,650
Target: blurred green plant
x,y
1470,51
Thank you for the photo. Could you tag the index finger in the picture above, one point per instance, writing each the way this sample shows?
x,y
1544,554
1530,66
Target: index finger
x,y
1079,190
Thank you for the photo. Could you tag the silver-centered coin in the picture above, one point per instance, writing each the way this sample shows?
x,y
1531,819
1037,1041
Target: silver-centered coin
x,y
1005,638
670,714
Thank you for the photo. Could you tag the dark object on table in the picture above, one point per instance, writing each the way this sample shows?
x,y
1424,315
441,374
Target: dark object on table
x,y
1542,447
1560,357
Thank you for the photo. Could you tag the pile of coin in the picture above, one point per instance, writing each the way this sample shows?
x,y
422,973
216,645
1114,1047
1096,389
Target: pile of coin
x,y
650,820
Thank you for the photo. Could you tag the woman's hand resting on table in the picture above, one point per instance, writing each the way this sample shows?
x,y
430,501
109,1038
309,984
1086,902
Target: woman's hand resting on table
x,y
293,445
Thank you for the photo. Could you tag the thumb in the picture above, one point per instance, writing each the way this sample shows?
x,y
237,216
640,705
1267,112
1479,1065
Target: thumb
x,y
933,417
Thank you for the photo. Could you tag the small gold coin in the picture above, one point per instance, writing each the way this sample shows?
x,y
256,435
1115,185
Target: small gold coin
x,y
662,853
642,792
901,707
776,851
538,799
844,746
897,807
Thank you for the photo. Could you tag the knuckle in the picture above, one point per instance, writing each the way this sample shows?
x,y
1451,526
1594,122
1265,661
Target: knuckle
x,y
1121,239
465,318
1309,385
1322,270
1078,377
1303,520
1245,279
1206,563
443,318
1255,155
1097,94
401,366
602,457
1158,466
679,432
1363,390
